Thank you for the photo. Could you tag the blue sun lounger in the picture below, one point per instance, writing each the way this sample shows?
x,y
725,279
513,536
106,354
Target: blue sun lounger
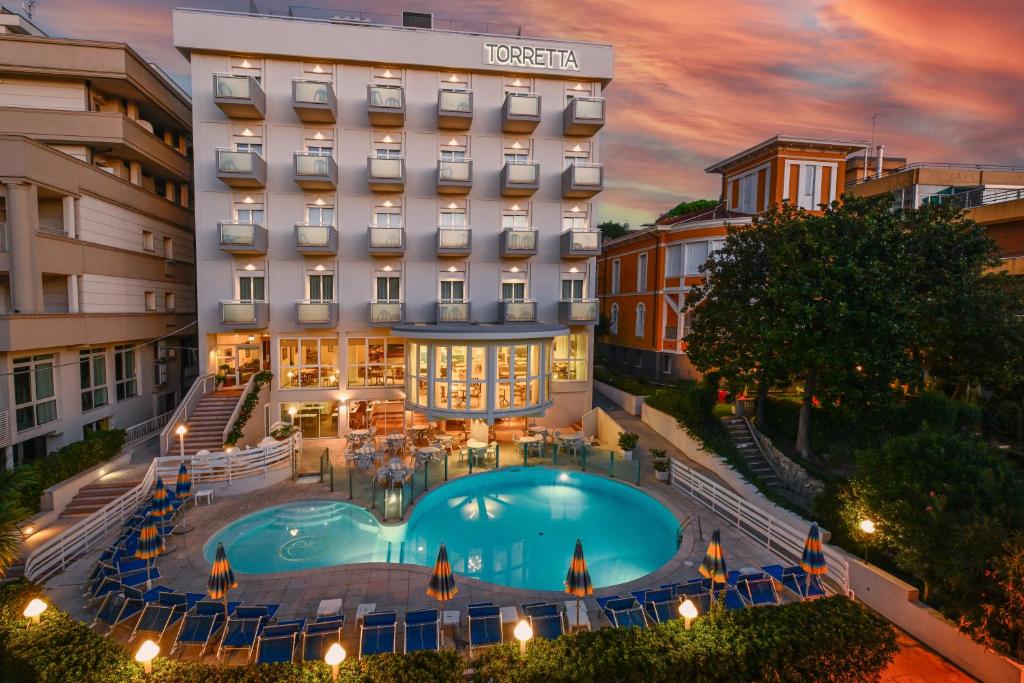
x,y
661,605
377,633
244,626
113,584
545,619
120,606
202,623
276,644
484,625
796,580
319,635
114,569
757,590
422,630
159,615
623,612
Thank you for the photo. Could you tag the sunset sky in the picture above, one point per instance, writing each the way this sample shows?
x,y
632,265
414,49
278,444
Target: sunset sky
x,y
696,81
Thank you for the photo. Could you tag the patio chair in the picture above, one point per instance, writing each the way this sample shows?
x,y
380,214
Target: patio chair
x,y
660,605
422,630
120,606
114,583
319,636
545,619
484,626
377,633
157,616
111,569
244,626
202,623
623,612
796,580
757,590
276,644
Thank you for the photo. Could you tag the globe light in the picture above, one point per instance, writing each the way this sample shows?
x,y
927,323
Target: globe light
x,y
147,652
182,430
867,526
334,657
34,608
688,611
523,633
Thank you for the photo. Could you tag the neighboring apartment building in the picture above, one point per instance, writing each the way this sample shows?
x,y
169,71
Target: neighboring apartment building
x,y
96,239
644,276
396,220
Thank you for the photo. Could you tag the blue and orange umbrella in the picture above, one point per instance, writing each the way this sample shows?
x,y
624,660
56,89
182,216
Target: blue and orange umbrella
x,y
151,544
183,490
577,581
713,567
442,582
160,506
813,559
222,579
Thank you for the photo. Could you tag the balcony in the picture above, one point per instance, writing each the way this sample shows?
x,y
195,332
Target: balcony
x,y
385,241
387,312
520,113
583,116
385,105
578,312
316,240
242,238
581,243
454,177
245,315
241,169
582,180
315,171
385,175
517,311
314,101
317,313
519,178
518,243
452,312
239,96
454,109
454,241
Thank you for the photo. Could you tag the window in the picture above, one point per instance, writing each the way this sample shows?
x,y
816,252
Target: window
x,y
256,147
748,193
126,384
696,255
513,291
92,370
309,363
613,320
147,240
251,288
641,312
452,218
315,419
34,393
519,370
150,301
616,268
321,287
674,260
169,301
666,365
387,216
515,216
388,288
249,213
97,426
809,188
572,289
320,215
641,273
375,361
569,358
453,291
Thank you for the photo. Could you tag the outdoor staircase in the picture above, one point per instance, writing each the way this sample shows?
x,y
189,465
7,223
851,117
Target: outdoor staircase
x,y
94,496
741,437
207,422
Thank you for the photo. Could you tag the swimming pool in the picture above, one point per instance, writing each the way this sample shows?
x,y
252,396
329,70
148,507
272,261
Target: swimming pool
x,y
515,527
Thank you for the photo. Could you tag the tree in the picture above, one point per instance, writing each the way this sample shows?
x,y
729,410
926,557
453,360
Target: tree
x,y
683,208
12,513
612,229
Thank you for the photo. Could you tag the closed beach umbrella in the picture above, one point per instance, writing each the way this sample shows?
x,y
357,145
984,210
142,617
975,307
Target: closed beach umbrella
x,y
813,559
183,490
442,583
151,544
713,567
161,507
222,578
577,581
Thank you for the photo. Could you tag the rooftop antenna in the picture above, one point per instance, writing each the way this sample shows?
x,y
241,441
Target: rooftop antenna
x,y
28,6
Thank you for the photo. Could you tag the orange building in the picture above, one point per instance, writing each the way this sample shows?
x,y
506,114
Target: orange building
x,y
644,276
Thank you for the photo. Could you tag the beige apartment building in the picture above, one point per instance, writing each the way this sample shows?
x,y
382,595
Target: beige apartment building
x,y
398,221
96,240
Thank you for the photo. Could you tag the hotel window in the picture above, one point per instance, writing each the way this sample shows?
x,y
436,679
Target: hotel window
x,y
454,81
641,313
613,320
314,70
576,218
515,215
387,145
674,260
249,209
569,358
516,151
100,425
616,270
169,301
453,286
386,75
666,364
126,384
696,255
34,392
455,148
247,66
248,139
513,284
453,215
319,141
518,84
641,273
519,375
577,153
375,361
309,363
315,419
317,214
579,90
388,213
251,286
149,299
320,287
573,287
388,288
92,371
810,186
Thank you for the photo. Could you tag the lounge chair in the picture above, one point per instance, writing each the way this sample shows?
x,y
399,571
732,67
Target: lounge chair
x,y
120,606
484,626
574,620
623,612
202,623
276,644
377,633
661,605
244,626
422,630
105,569
796,580
114,583
545,619
757,590
319,636
157,616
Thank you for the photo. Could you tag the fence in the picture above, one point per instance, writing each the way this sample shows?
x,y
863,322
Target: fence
x,y
142,431
201,387
223,467
776,536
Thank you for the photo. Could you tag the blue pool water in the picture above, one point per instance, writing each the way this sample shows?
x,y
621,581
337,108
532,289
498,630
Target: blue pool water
x,y
515,527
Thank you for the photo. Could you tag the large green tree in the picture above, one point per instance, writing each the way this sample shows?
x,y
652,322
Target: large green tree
x,y
612,229
683,208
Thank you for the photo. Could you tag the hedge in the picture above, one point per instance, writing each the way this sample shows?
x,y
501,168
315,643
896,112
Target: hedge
x,y
831,640
64,463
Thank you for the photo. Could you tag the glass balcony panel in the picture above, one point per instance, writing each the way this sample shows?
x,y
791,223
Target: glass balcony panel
x,y
237,233
389,96
451,238
453,312
386,238
587,175
520,311
388,169
312,92
455,170
583,310
525,240
315,312
522,173
456,100
313,235
586,240
524,105
312,165
386,312
234,312
233,86
229,161
589,109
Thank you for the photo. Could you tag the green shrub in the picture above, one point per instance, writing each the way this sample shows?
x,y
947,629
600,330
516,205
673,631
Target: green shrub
x,y
66,462
248,405
628,440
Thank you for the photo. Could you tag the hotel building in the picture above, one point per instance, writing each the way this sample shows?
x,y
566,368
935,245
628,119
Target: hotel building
x,y
96,240
397,221
643,277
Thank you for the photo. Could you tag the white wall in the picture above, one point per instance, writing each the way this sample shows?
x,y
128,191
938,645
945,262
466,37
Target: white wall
x,y
107,294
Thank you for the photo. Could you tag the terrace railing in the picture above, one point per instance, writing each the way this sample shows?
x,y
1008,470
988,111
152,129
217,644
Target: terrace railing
x,y
144,431
225,468
202,386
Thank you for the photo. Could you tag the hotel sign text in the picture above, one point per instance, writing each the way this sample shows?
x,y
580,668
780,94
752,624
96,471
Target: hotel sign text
x,y
531,57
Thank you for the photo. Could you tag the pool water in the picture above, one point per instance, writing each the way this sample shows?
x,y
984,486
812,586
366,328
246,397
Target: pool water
x,y
515,527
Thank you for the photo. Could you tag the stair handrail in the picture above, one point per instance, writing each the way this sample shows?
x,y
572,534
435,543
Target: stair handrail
x,y
756,436
237,410
203,385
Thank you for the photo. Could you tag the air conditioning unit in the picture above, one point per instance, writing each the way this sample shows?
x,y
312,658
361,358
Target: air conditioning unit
x,y
417,20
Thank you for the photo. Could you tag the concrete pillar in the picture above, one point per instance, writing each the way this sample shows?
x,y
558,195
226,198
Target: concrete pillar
x,y
170,191
72,294
70,217
135,172
183,194
22,220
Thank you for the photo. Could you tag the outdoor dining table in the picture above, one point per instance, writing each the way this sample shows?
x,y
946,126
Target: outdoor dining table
x,y
527,441
418,433
425,453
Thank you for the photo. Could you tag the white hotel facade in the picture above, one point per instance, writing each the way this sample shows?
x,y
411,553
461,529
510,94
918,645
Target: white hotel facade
x,y
396,220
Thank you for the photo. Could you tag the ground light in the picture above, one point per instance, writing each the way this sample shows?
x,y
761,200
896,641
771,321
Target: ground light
x,y
688,611
147,652
34,608
334,657
181,431
523,633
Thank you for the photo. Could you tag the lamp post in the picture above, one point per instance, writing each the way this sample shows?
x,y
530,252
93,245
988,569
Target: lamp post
x,y
523,633
868,528
334,657
34,608
181,431
147,652
688,611
292,412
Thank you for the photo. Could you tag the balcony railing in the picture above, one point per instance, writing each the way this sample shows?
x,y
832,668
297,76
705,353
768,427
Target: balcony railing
x,y
454,109
238,237
324,313
578,312
385,104
314,101
316,239
517,311
520,113
241,169
239,96
454,177
385,174
452,311
578,243
518,242
315,171
387,312
979,196
519,178
454,241
385,240
245,314
582,180
583,116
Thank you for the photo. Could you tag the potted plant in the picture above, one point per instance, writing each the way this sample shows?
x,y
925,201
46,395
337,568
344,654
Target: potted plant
x,y
661,463
627,442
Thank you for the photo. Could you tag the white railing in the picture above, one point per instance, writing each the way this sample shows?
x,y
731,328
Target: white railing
x,y
201,387
238,408
775,535
142,431
222,467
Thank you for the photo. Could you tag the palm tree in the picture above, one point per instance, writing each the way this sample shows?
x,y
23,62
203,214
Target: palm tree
x,y
12,513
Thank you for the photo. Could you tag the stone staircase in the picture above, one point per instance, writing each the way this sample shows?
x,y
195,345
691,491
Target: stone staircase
x,y
744,442
207,422
94,496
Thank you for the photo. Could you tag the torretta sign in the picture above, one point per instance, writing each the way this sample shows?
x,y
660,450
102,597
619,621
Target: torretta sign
x,y
531,57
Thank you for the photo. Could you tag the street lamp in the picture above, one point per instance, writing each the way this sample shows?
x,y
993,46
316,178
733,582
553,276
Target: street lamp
x,y
34,608
334,657
181,431
523,633
147,652
868,528
688,611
